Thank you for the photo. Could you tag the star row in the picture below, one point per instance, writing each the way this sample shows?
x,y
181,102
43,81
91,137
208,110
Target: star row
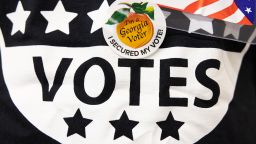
x,y
123,126
198,22
58,19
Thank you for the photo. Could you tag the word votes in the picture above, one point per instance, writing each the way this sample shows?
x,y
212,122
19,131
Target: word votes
x,y
135,65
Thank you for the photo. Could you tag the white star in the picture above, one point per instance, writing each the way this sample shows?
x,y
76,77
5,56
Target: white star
x,y
58,19
18,18
248,10
166,14
199,22
99,16
232,29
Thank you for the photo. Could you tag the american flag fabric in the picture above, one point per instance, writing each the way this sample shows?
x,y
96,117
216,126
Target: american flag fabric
x,y
61,83
217,28
236,11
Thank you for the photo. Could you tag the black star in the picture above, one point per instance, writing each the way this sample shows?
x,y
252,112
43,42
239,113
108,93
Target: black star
x,y
170,127
123,126
77,124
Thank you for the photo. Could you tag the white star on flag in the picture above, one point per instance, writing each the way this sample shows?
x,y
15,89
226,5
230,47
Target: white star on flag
x,y
58,19
18,18
248,10
199,22
99,16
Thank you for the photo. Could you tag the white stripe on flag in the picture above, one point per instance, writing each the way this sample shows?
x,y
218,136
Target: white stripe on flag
x,y
214,7
236,17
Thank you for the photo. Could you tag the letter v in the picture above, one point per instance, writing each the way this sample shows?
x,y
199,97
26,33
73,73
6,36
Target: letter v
x,y
49,94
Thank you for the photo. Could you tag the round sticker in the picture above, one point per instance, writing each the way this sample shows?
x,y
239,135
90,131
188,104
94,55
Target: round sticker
x,y
135,28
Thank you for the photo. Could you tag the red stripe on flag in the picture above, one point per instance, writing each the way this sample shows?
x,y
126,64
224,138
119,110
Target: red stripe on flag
x,y
225,12
169,7
245,21
198,4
